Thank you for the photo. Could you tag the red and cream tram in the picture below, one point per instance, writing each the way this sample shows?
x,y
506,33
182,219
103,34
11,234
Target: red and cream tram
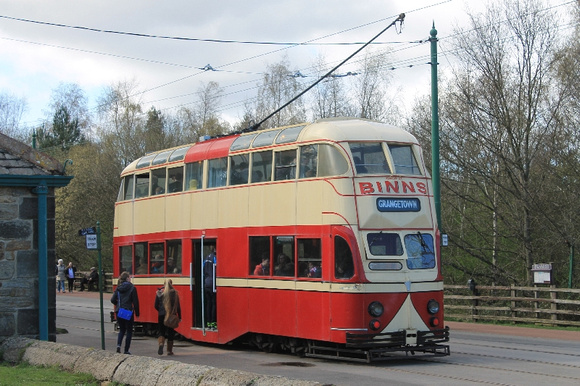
x,y
325,236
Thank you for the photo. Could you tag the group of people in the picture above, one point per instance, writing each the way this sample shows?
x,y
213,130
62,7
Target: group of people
x,y
68,274
166,303
285,267
65,274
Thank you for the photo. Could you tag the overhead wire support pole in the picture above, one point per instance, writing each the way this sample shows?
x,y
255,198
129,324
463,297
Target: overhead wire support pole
x,y
400,19
435,127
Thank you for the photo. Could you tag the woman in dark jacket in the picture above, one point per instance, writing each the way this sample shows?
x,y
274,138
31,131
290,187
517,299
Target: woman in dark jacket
x,y
166,303
125,296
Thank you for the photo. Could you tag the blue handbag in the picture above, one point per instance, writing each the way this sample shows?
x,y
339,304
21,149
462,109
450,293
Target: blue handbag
x,y
123,313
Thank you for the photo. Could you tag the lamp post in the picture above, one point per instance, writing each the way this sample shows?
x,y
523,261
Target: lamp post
x,y
435,127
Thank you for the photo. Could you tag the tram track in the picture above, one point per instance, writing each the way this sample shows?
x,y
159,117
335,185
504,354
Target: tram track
x,y
500,347
463,354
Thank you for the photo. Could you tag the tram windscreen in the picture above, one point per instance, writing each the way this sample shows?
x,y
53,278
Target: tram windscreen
x,y
420,251
385,244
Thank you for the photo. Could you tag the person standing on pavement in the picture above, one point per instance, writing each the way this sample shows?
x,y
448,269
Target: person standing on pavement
x,y
70,275
166,303
60,276
125,296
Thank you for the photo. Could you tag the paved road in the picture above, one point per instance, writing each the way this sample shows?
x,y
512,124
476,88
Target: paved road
x,y
480,354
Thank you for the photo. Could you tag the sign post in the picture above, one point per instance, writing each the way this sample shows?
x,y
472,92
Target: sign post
x,y
92,242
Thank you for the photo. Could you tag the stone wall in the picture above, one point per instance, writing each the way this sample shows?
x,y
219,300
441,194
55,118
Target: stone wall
x,y
19,283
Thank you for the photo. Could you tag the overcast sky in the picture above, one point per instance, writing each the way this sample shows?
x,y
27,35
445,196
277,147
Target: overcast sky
x,y
36,57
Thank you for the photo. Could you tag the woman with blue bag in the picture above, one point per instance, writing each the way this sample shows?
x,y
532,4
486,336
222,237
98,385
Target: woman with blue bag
x,y
126,304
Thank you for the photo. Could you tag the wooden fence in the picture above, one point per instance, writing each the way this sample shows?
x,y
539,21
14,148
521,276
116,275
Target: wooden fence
x,y
533,305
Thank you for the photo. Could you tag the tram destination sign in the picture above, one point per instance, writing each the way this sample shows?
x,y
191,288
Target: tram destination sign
x,y
392,204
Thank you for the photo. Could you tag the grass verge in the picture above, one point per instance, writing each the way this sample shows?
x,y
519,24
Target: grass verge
x,y
25,374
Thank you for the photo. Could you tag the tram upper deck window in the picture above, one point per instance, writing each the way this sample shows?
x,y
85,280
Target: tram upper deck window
x,y
142,185
217,172
261,166
144,161
239,169
420,251
289,135
128,185
161,158
403,159
331,162
369,158
194,175
158,181
178,154
242,142
385,244
265,138
308,161
175,179
285,162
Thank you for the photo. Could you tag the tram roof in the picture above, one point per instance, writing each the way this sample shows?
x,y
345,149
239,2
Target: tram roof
x,y
333,129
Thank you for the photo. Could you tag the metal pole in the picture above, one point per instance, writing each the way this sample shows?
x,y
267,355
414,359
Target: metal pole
x,y
42,192
202,288
571,265
101,285
435,127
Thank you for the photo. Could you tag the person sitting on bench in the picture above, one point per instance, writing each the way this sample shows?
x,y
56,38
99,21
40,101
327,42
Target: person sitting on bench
x,y
92,281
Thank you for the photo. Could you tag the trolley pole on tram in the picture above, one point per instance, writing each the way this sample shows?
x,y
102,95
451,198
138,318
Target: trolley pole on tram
x,y
435,127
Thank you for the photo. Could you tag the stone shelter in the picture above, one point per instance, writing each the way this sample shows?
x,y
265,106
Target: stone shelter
x,y
28,179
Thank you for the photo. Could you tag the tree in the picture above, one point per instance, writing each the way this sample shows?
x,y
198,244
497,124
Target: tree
x,y
155,138
11,110
278,87
72,97
500,118
203,119
64,133
122,125
371,90
329,97
89,198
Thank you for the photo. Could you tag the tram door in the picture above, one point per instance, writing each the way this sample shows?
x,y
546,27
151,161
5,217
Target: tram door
x,y
201,250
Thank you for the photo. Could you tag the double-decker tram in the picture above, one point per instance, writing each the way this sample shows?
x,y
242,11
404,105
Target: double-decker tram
x,y
325,238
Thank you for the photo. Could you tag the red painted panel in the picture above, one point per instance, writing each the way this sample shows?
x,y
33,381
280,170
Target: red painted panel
x,y
210,149
313,318
420,300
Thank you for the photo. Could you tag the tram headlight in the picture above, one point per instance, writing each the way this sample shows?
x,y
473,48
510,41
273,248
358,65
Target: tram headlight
x,y
376,309
433,306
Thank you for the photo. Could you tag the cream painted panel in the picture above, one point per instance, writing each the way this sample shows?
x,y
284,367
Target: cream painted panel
x,y
272,205
233,208
123,219
310,202
204,210
177,210
339,208
148,216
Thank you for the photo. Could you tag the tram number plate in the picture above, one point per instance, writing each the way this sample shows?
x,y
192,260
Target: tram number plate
x,y
398,204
